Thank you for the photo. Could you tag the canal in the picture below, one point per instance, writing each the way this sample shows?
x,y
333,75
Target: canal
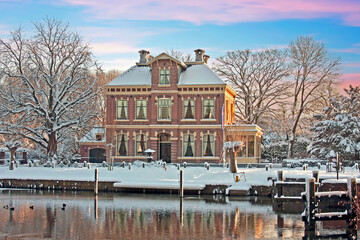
x,y
81,215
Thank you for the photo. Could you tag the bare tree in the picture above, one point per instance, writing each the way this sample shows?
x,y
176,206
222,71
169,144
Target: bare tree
x,y
46,84
103,79
257,77
180,55
313,70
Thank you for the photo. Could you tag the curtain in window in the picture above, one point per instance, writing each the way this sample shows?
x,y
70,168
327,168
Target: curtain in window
x,y
141,112
122,109
208,148
164,109
122,148
189,147
189,111
140,144
208,108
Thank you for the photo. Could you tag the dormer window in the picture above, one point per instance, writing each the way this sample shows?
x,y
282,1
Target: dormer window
x,y
164,77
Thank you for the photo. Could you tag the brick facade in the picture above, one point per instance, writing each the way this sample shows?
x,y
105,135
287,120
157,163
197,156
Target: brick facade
x,y
176,139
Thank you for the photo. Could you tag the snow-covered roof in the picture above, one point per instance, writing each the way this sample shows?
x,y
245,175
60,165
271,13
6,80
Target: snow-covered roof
x,y
198,75
195,73
91,135
136,75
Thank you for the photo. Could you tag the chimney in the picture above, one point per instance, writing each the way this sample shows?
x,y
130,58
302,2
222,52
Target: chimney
x,y
199,55
144,56
206,58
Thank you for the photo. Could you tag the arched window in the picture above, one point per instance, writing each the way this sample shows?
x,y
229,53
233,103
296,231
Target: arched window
x,y
208,145
188,145
122,145
140,144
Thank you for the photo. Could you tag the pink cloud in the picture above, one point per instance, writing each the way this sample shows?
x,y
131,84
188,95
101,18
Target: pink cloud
x,y
226,11
350,79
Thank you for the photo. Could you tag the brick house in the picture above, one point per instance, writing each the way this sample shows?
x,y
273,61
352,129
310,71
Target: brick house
x,y
179,109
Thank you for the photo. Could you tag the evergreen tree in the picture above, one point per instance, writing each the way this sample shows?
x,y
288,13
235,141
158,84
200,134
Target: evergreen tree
x,y
338,130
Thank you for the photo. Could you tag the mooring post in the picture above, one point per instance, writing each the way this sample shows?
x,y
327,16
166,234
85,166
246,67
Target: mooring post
x,y
310,204
181,191
96,182
279,186
337,166
315,175
353,207
280,176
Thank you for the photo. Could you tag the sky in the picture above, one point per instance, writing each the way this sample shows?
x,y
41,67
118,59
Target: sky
x,y
118,29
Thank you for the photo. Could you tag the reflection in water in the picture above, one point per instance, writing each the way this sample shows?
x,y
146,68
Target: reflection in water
x,y
111,216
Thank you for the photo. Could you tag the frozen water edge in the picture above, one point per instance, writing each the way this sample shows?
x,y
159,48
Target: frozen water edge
x,y
169,178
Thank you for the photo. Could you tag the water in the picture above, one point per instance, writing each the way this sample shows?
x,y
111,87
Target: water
x,y
124,216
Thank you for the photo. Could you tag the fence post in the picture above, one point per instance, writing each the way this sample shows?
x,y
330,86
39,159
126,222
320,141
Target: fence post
x,y
96,182
310,204
280,176
353,207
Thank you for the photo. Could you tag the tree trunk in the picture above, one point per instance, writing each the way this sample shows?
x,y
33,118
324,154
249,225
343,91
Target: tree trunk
x,y
233,161
12,158
291,146
52,147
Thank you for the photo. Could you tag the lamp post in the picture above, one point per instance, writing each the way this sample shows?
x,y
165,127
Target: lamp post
x,y
149,152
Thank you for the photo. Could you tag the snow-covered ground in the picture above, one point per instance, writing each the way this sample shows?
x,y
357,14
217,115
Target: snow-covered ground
x,y
158,176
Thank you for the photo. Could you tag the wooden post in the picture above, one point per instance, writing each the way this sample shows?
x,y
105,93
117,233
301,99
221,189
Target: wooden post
x,y
280,179
181,191
337,166
310,204
353,207
315,175
280,176
96,182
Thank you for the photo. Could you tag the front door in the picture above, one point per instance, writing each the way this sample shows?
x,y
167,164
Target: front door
x,y
165,147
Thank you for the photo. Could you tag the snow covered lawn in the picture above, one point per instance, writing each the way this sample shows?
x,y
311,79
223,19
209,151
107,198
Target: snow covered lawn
x,y
158,176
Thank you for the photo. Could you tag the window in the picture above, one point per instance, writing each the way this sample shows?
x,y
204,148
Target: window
x,y
208,145
188,145
140,144
189,109
251,146
99,137
208,108
164,76
121,145
141,108
164,109
122,109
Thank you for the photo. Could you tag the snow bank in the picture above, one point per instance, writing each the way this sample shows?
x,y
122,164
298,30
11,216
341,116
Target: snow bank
x,y
196,177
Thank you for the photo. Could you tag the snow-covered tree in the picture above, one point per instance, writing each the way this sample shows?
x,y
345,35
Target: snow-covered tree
x,y
313,69
46,84
338,130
